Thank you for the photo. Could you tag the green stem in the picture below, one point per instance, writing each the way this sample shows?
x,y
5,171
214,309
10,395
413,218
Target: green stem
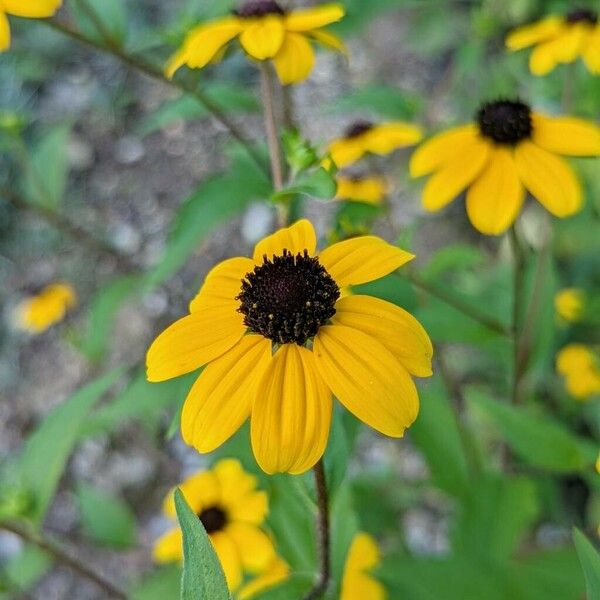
x,y
519,361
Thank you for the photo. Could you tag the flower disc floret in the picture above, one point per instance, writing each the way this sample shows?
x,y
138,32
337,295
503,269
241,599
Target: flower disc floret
x,y
258,8
505,121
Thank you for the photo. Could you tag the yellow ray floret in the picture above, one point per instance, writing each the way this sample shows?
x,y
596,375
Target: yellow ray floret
x,y
358,583
370,190
38,313
570,303
578,364
30,9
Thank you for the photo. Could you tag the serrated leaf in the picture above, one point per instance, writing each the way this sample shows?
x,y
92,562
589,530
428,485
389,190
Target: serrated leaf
x,y
203,575
590,563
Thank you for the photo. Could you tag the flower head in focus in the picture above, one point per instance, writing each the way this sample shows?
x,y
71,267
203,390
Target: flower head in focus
x,y
279,339
368,189
358,583
37,313
30,9
510,150
581,369
560,39
266,32
569,304
232,512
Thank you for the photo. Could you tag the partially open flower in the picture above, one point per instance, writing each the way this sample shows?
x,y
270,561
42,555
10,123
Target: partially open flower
x,y
358,582
30,9
509,150
232,512
266,32
569,304
581,370
38,313
279,340
370,189
560,40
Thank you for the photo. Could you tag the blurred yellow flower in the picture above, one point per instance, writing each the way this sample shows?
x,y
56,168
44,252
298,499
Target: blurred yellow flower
x,y
358,583
371,190
38,313
511,149
560,40
30,9
569,303
364,137
232,512
266,31
279,341
579,366
276,573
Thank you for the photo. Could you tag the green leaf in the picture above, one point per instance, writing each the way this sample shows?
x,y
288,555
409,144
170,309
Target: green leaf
x,y
202,572
317,184
26,568
111,14
105,519
456,257
162,583
47,450
536,438
590,563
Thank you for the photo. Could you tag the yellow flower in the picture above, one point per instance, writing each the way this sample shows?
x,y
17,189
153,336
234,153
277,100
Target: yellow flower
x,y
364,137
266,32
30,9
569,303
277,572
598,464
232,511
357,583
579,367
38,313
511,149
370,190
560,40
279,341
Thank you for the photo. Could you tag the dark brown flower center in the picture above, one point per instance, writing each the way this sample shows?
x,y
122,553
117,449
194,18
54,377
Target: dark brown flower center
x,y
582,15
213,518
258,8
505,121
358,128
287,298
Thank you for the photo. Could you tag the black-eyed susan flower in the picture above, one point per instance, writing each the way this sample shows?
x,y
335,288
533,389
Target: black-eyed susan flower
x,y
232,512
365,137
560,39
279,339
39,312
569,304
368,189
266,31
580,367
509,150
358,583
275,574
30,9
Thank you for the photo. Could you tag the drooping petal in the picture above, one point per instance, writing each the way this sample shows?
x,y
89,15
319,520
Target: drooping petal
x,y
229,558
296,239
370,190
329,40
222,284
346,151
455,176
34,9
169,547
177,60
254,547
442,148
528,35
275,574
201,490
591,51
544,57
566,135
362,259
192,342
291,415
366,378
234,482
495,198
387,137
572,42
221,398
362,558
4,32
296,59
549,179
307,19
391,326
262,38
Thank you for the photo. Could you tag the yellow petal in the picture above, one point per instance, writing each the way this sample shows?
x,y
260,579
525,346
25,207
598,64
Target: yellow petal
x,y
262,37
234,482
169,547
370,190
329,40
296,59
528,35
455,176
201,490
192,342
569,303
254,547
308,19
362,259
291,415
574,358
387,137
4,32
221,398
222,284
566,135
549,179
345,151
358,586
177,60
366,378
571,42
251,508
442,149
391,326
32,9
296,239
229,558
496,196
277,573
543,59
591,51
